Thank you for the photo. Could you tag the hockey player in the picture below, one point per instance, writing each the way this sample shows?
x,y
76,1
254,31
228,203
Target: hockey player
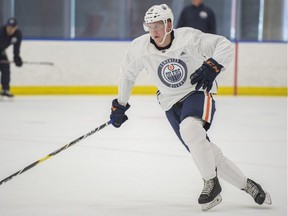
x,y
184,63
9,34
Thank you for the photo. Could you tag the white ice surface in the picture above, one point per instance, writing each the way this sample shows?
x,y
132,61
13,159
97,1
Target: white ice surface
x,y
140,169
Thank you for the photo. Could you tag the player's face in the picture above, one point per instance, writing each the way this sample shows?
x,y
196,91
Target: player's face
x,y
157,31
10,30
197,2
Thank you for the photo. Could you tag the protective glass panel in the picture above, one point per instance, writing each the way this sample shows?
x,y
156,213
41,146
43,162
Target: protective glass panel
x,y
123,19
100,19
2,21
248,22
41,18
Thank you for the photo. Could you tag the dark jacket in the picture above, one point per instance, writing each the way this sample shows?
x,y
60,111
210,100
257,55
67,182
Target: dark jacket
x,y
202,18
6,41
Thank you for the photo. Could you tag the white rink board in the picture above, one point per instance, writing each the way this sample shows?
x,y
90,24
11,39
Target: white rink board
x,y
97,63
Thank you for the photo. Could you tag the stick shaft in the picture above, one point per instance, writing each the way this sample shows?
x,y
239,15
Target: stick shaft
x,y
38,63
28,62
54,153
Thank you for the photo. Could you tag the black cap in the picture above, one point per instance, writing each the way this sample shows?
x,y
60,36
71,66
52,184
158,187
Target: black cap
x,y
12,22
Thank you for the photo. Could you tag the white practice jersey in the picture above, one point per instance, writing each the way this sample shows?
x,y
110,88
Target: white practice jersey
x,y
171,68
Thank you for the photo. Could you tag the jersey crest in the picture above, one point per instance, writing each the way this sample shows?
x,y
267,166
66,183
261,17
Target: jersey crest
x,y
13,40
172,72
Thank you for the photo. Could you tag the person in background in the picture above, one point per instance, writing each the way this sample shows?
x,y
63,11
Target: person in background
x,y
198,16
184,63
9,34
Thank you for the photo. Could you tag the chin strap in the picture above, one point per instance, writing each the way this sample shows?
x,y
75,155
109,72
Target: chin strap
x,y
166,33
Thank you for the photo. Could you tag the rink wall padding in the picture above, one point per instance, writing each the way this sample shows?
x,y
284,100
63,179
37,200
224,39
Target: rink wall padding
x,y
92,67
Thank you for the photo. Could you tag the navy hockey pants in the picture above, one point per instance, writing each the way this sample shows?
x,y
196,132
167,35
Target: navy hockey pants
x,y
5,73
198,104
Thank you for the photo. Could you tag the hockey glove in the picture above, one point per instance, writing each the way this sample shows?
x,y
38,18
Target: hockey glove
x,y
206,74
18,61
118,116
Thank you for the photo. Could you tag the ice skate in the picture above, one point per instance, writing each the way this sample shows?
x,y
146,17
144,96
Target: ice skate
x,y
6,93
257,193
210,195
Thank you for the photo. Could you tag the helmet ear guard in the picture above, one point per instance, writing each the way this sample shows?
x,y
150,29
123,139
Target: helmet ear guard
x,y
145,27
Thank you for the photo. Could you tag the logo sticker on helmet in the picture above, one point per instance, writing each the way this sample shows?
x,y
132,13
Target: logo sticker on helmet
x,y
172,72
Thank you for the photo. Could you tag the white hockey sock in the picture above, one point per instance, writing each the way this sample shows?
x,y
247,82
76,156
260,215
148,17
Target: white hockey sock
x,y
227,170
194,136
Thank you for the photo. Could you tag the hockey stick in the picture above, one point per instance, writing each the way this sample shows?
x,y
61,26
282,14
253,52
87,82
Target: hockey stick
x,y
28,62
55,152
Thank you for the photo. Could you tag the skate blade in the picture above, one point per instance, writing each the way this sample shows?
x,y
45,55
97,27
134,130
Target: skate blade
x,y
211,204
267,200
5,98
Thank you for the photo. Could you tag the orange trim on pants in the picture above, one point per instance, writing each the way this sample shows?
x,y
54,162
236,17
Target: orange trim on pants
x,y
207,107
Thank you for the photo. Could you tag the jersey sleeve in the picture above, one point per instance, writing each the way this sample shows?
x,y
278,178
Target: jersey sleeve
x,y
130,69
215,46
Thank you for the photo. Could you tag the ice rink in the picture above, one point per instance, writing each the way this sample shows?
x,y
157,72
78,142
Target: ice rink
x,y
140,169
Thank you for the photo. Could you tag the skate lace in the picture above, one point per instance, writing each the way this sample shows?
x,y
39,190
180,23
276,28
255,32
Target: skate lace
x,y
252,189
208,187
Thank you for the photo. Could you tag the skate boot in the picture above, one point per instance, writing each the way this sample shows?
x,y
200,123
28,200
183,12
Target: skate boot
x,y
210,195
257,193
6,93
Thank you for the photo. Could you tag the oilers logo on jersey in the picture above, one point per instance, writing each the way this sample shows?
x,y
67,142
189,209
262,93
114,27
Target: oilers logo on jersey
x,y
172,72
